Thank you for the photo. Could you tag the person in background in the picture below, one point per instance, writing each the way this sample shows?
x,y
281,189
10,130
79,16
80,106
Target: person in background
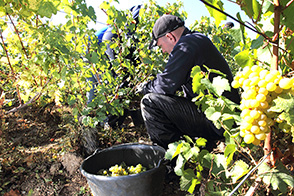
x,y
229,25
93,80
102,35
167,116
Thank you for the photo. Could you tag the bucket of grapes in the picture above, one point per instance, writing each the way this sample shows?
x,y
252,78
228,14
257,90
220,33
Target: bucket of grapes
x,y
125,170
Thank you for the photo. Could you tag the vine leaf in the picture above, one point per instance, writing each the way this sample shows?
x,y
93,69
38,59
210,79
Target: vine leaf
x,y
242,28
257,43
189,180
197,76
201,142
251,7
229,152
91,13
256,9
104,5
237,35
239,169
188,139
278,177
217,193
288,15
214,13
93,57
34,4
212,114
220,84
215,162
289,116
179,169
284,102
243,59
2,9
209,86
47,9
172,149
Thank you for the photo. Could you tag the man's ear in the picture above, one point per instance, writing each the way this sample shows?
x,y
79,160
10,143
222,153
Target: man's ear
x,y
169,36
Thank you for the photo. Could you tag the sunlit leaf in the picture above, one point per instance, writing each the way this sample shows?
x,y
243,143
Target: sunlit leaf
x,y
180,165
239,169
218,16
212,114
188,139
256,8
243,59
172,148
35,4
229,152
221,85
197,76
104,5
201,142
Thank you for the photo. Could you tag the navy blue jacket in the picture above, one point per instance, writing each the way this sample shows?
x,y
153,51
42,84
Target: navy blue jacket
x,y
192,49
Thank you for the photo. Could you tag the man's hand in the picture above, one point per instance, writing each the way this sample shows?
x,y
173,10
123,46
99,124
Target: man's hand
x,y
140,87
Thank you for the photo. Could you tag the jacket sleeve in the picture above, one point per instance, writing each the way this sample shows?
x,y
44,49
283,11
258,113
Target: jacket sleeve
x,y
176,73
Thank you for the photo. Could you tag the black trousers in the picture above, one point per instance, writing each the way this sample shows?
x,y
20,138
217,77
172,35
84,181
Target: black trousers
x,y
168,118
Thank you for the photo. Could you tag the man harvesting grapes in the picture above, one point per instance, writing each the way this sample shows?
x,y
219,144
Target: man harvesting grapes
x,y
168,117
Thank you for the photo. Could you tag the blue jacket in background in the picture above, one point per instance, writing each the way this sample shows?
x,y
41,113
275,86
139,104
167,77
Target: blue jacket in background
x,y
99,34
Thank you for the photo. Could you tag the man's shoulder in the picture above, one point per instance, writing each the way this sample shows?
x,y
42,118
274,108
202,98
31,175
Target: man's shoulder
x,y
196,35
194,38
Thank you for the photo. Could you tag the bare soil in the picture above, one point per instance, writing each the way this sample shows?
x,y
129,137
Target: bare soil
x,y
41,150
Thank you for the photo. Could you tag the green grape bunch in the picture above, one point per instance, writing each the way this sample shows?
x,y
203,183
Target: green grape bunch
x,y
259,88
122,170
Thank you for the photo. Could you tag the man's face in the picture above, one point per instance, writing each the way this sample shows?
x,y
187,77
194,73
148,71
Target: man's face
x,y
166,43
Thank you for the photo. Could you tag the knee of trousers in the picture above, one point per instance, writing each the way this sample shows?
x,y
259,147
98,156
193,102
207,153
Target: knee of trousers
x,y
148,102
145,101
151,98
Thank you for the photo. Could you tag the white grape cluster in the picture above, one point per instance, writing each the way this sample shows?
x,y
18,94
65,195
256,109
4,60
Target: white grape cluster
x,y
122,170
260,87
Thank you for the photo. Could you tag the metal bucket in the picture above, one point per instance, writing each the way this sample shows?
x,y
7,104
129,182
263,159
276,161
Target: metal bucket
x,y
148,183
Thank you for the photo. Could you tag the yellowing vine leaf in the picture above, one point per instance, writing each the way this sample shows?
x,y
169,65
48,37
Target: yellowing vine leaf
x,y
243,59
239,169
214,13
197,76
